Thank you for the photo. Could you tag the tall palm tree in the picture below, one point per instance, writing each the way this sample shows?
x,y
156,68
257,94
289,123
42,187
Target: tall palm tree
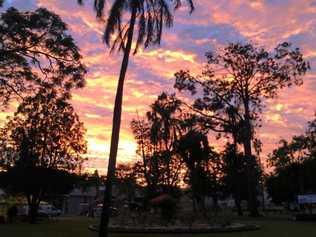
x,y
146,21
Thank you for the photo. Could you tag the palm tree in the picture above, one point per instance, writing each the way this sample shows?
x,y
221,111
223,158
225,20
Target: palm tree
x,y
147,18
164,119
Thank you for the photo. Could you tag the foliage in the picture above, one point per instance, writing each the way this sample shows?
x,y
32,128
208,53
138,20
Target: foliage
x,y
234,171
238,79
36,51
36,184
45,131
203,166
147,18
300,148
152,16
229,93
25,181
294,164
292,180
156,137
40,145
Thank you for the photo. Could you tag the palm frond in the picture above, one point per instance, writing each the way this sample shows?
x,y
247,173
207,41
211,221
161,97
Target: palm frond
x,y
98,6
178,3
114,20
151,17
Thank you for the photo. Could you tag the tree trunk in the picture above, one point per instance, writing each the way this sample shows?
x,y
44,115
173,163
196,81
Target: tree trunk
x,y
251,166
33,213
33,205
238,205
301,179
105,216
236,178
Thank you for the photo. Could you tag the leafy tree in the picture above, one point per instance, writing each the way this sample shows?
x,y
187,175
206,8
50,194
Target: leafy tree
x,y
311,138
37,184
156,137
288,153
203,167
299,149
234,84
284,185
50,129
44,134
293,159
235,175
289,181
36,51
164,119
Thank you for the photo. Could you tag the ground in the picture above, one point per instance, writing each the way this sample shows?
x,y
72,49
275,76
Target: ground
x,y
77,227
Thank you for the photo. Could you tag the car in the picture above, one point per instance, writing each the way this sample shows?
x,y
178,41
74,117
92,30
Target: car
x,y
48,210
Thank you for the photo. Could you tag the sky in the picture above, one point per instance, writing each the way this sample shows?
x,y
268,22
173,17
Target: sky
x,y
212,25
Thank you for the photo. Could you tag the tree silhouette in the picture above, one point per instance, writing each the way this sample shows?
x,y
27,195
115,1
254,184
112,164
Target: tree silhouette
x,y
146,19
284,184
50,129
36,51
37,184
156,137
145,148
299,149
235,175
293,156
203,167
45,135
235,82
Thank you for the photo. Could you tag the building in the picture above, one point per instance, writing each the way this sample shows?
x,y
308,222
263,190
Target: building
x,y
81,201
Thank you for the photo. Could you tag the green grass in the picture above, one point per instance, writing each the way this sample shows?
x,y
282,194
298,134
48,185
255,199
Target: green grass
x,y
77,227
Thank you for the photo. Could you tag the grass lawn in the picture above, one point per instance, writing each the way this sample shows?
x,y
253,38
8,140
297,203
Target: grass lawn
x,y
77,227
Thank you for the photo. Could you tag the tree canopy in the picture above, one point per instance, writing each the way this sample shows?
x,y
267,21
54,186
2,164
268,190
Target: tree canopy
x,y
229,93
239,78
294,163
156,136
151,17
45,131
36,51
40,147
297,150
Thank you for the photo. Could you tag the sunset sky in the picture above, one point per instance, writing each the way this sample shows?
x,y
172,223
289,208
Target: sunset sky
x,y
212,25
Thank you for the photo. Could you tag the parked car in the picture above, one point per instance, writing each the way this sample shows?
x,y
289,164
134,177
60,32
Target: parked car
x,y
48,210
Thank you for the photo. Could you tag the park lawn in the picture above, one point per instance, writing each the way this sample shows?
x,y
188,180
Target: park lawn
x,y
77,227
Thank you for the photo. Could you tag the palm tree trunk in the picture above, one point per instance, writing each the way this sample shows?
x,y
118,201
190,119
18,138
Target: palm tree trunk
x,y
105,217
